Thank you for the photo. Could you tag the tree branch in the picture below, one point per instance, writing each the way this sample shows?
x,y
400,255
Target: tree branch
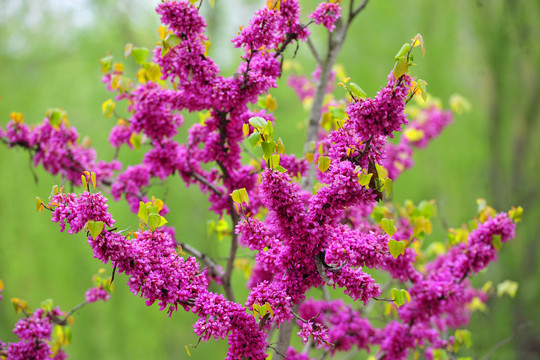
x,y
211,264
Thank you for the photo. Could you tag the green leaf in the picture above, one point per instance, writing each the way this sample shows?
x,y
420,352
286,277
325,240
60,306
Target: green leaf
x,y
280,148
400,296
170,41
254,138
274,161
364,179
84,182
396,248
323,163
140,54
258,122
462,336
496,241
377,214
142,213
400,68
269,130
162,221
516,214
337,112
95,228
152,209
507,287
381,171
388,226
55,117
240,195
47,305
280,168
403,51
106,63
135,140
440,354
268,148
357,90
388,186
153,221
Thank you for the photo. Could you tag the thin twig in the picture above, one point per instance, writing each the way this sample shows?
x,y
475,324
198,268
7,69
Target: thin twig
x,y
204,181
211,264
314,51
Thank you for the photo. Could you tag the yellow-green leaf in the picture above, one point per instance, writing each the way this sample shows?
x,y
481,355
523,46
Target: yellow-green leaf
x,y
258,122
403,51
364,179
142,213
388,226
357,91
93,178
507,287
419,41
323,163
240,195
400,68
496,241
95,228
396,248
107,108
383,173
400,296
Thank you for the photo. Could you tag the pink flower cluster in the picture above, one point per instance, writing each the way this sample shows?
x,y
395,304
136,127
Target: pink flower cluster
x,y
56,148
346,327
327,14
382,115
34,332
158,273
97,293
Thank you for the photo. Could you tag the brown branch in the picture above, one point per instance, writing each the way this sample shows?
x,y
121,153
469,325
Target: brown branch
x,y
211,264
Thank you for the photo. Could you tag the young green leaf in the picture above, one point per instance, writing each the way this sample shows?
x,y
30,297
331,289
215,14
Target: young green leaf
x,y
258,122
254,138
153,221
400,296
323,163
357,91
388,226
142,213
268,148
507,287
403,51
496,241
95,228
396,248
140,54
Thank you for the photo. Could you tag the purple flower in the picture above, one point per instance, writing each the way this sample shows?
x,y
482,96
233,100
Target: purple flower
x,y
326,14
96,293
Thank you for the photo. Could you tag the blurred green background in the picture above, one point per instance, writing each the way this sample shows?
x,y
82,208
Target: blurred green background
x,y
488,51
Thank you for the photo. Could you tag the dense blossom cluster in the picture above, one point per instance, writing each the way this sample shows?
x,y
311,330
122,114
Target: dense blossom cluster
x,y
383,114
55,146
34,333
97,293
326,14
307,238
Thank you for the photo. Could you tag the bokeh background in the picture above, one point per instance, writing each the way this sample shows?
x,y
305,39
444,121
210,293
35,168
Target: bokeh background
x,y
485,50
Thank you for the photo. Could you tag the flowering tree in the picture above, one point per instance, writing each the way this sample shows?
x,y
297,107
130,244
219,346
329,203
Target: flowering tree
x,y
328,235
